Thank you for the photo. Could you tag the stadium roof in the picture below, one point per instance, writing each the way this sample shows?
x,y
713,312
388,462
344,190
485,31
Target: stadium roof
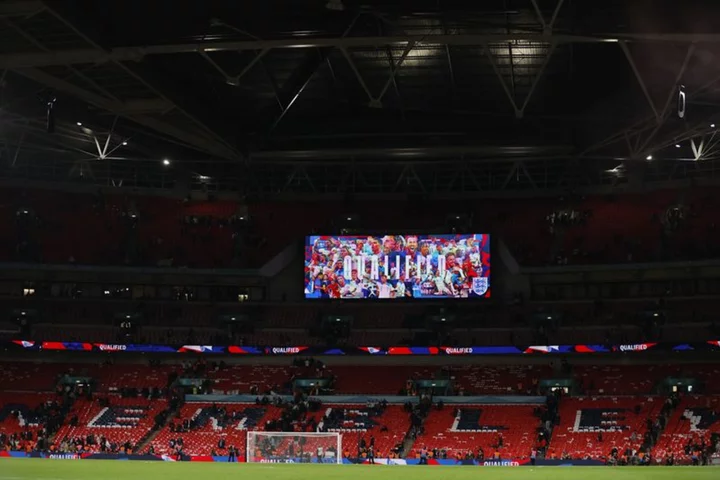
x,y
358,96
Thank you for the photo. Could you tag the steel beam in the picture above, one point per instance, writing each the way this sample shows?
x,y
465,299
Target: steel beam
x,y
296,84
527,174
17,149
394,70
481,152
513,172
391,64
536,80
121,54
355,70
42,47
192,139
697,149
539,13
218,144
559,5
646,123
450,66
250,65
507,91
669,100
628,55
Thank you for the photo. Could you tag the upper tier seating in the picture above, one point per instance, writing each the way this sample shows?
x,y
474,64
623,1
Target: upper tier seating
x,y
240,378
30,376
114,229
367,379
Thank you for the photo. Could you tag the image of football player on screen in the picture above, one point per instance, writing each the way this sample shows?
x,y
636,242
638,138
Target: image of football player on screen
x,y
395,266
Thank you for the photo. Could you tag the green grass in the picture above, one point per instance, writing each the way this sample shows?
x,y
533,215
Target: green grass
x,y
43,469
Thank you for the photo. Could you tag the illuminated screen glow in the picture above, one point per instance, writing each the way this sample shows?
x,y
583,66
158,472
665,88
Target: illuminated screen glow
x,y
398,266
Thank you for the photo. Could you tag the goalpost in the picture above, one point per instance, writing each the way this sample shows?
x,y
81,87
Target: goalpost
x,y
293,447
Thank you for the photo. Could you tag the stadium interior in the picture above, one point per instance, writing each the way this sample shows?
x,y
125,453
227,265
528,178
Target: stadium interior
x,y
264,231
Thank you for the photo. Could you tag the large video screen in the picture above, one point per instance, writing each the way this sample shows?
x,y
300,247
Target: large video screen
x,y
398,266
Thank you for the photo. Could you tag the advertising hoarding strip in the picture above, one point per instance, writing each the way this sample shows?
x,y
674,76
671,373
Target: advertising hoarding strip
x,y
710,345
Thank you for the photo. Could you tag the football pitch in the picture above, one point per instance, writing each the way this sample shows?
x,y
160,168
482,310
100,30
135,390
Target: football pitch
x,y
43,469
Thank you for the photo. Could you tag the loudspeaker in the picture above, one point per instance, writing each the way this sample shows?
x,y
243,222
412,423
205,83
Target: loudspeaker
x,y
681,101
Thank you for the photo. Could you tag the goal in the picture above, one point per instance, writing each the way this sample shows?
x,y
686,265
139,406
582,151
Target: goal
x,y
294,447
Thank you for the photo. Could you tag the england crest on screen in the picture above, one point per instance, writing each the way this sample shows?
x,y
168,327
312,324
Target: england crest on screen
x,y
480,285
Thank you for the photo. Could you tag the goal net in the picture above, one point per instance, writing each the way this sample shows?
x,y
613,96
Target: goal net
x,y
294,447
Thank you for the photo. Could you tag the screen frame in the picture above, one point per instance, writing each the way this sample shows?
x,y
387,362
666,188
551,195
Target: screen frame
x,y
307,243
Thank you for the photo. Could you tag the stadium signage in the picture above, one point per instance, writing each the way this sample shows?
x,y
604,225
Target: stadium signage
x,y
360,263
64,456
458,351
633,348
286,350
112,348
709,345
501,463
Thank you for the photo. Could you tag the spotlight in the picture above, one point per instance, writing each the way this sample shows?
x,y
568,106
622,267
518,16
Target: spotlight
x,y
124,143
677,145
79,124
712,125
166,162
649,157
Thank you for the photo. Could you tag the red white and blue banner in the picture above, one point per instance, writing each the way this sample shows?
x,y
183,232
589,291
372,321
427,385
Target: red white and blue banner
x,y
710,345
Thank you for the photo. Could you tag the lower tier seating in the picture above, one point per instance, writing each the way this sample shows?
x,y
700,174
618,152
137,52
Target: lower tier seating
x,y
692,424
590,427
509,430
26,413
201,426
119,420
